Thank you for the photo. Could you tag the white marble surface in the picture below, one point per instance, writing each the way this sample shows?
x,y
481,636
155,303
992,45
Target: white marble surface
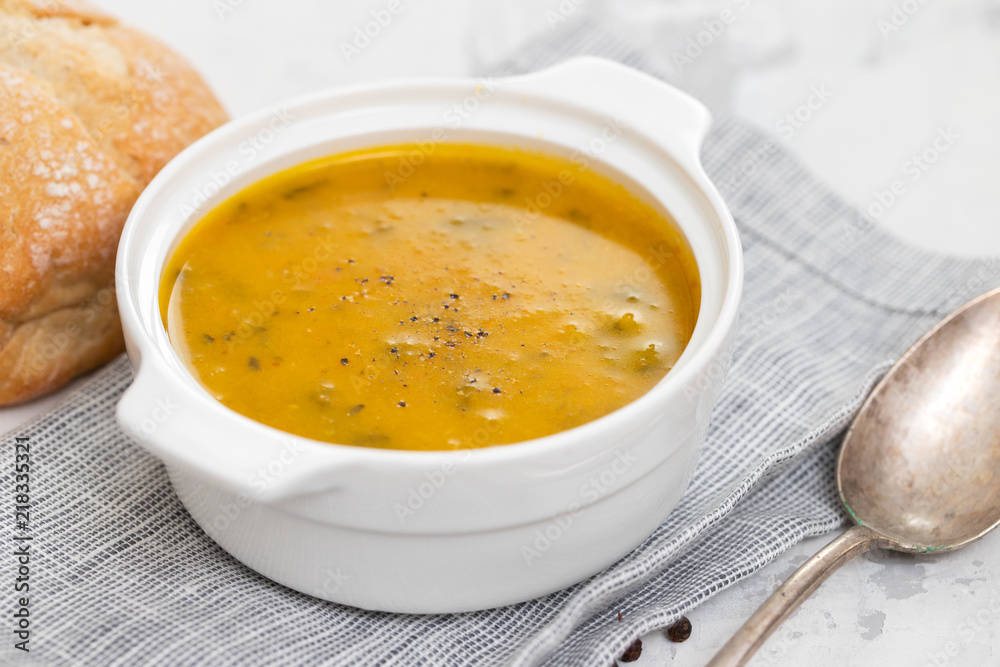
x,y
890,91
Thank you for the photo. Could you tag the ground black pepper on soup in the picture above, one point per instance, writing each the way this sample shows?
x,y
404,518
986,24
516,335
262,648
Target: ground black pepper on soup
x,y
407,298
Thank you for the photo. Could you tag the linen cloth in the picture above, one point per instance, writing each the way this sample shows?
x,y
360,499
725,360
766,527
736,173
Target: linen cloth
x,y
121,575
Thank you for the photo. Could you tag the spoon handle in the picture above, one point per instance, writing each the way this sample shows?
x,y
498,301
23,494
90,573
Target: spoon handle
x,y
790,594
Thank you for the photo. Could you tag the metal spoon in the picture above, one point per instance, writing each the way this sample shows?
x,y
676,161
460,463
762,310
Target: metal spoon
x,y
919,470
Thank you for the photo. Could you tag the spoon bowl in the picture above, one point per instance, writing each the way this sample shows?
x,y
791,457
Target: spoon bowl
x,y
919,469
921,463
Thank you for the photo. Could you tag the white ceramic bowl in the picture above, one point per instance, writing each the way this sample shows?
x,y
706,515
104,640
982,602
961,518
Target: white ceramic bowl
x,y
437,531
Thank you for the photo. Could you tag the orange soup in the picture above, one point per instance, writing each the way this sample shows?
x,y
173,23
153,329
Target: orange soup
x,y
480,297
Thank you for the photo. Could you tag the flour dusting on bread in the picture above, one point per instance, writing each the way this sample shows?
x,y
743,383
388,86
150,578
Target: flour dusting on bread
x,y
75,152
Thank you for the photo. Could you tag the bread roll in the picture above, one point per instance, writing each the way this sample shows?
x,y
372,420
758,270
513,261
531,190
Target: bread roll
x,y
89,113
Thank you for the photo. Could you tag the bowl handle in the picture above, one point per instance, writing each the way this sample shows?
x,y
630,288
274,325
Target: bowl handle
x,y
172,423
674,119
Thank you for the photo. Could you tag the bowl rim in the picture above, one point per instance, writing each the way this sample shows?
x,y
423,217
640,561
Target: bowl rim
x,y
616,421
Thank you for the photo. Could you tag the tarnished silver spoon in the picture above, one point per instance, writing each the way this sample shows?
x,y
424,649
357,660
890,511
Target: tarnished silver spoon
x,y
919,469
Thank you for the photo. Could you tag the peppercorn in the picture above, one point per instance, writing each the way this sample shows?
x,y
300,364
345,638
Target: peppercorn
x,y
679,631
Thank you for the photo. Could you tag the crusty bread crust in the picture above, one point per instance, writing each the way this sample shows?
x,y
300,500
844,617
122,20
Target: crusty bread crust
x,y
89,113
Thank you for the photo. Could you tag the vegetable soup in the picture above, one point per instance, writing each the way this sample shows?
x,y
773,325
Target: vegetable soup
x,y
403,299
